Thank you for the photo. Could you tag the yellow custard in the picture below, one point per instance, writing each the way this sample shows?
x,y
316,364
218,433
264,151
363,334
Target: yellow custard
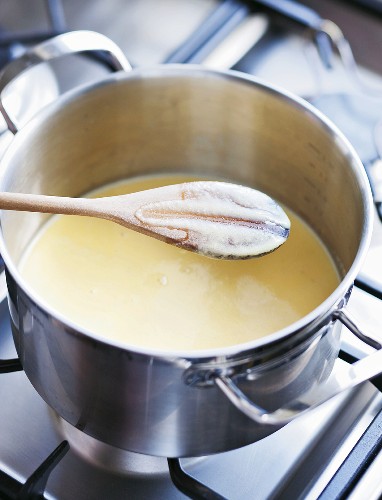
x,y
131,288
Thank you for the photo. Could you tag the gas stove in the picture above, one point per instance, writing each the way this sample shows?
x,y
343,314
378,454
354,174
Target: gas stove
x,y
330,452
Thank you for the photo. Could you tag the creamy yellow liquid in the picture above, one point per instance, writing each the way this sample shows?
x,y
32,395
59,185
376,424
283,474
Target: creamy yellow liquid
x,y
131,288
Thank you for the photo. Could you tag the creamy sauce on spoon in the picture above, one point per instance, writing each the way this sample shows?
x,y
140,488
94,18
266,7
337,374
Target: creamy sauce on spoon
x,y
219,220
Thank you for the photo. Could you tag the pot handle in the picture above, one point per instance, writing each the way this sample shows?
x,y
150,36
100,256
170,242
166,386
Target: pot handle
x,y
68,43
359,372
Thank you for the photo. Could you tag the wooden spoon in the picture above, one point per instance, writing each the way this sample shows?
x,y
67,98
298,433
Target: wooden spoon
x,y
216,219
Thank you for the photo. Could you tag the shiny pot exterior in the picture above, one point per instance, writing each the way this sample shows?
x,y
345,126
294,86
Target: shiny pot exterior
x,y
181,119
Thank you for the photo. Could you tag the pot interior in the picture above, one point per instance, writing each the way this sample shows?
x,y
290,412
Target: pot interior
x,y
197,122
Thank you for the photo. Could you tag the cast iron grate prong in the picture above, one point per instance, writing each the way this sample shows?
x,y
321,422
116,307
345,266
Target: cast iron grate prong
x,y
188,485
34,487
10,365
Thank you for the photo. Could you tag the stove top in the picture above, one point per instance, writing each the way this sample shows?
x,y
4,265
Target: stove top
x,y
331,452
302,457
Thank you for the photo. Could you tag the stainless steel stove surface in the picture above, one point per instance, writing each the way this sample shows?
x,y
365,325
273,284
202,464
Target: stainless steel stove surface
x,y
321,454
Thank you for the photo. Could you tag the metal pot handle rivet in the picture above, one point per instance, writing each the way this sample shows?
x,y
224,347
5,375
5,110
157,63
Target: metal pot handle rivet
x,y
68,43
355,374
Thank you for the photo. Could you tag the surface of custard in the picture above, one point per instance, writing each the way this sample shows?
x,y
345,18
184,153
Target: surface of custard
x,y
131,288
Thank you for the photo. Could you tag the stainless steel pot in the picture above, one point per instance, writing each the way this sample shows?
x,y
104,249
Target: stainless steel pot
x,y
172,119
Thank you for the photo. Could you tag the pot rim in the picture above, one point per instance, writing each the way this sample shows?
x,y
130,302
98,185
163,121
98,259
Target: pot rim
x,y
179,70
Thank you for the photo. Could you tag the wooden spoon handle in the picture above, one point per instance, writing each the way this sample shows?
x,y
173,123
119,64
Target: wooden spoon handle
x,y
46,204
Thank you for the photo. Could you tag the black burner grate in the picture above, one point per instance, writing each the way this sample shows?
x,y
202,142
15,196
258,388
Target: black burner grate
x,y
189,485
10,365
34,487
12,43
